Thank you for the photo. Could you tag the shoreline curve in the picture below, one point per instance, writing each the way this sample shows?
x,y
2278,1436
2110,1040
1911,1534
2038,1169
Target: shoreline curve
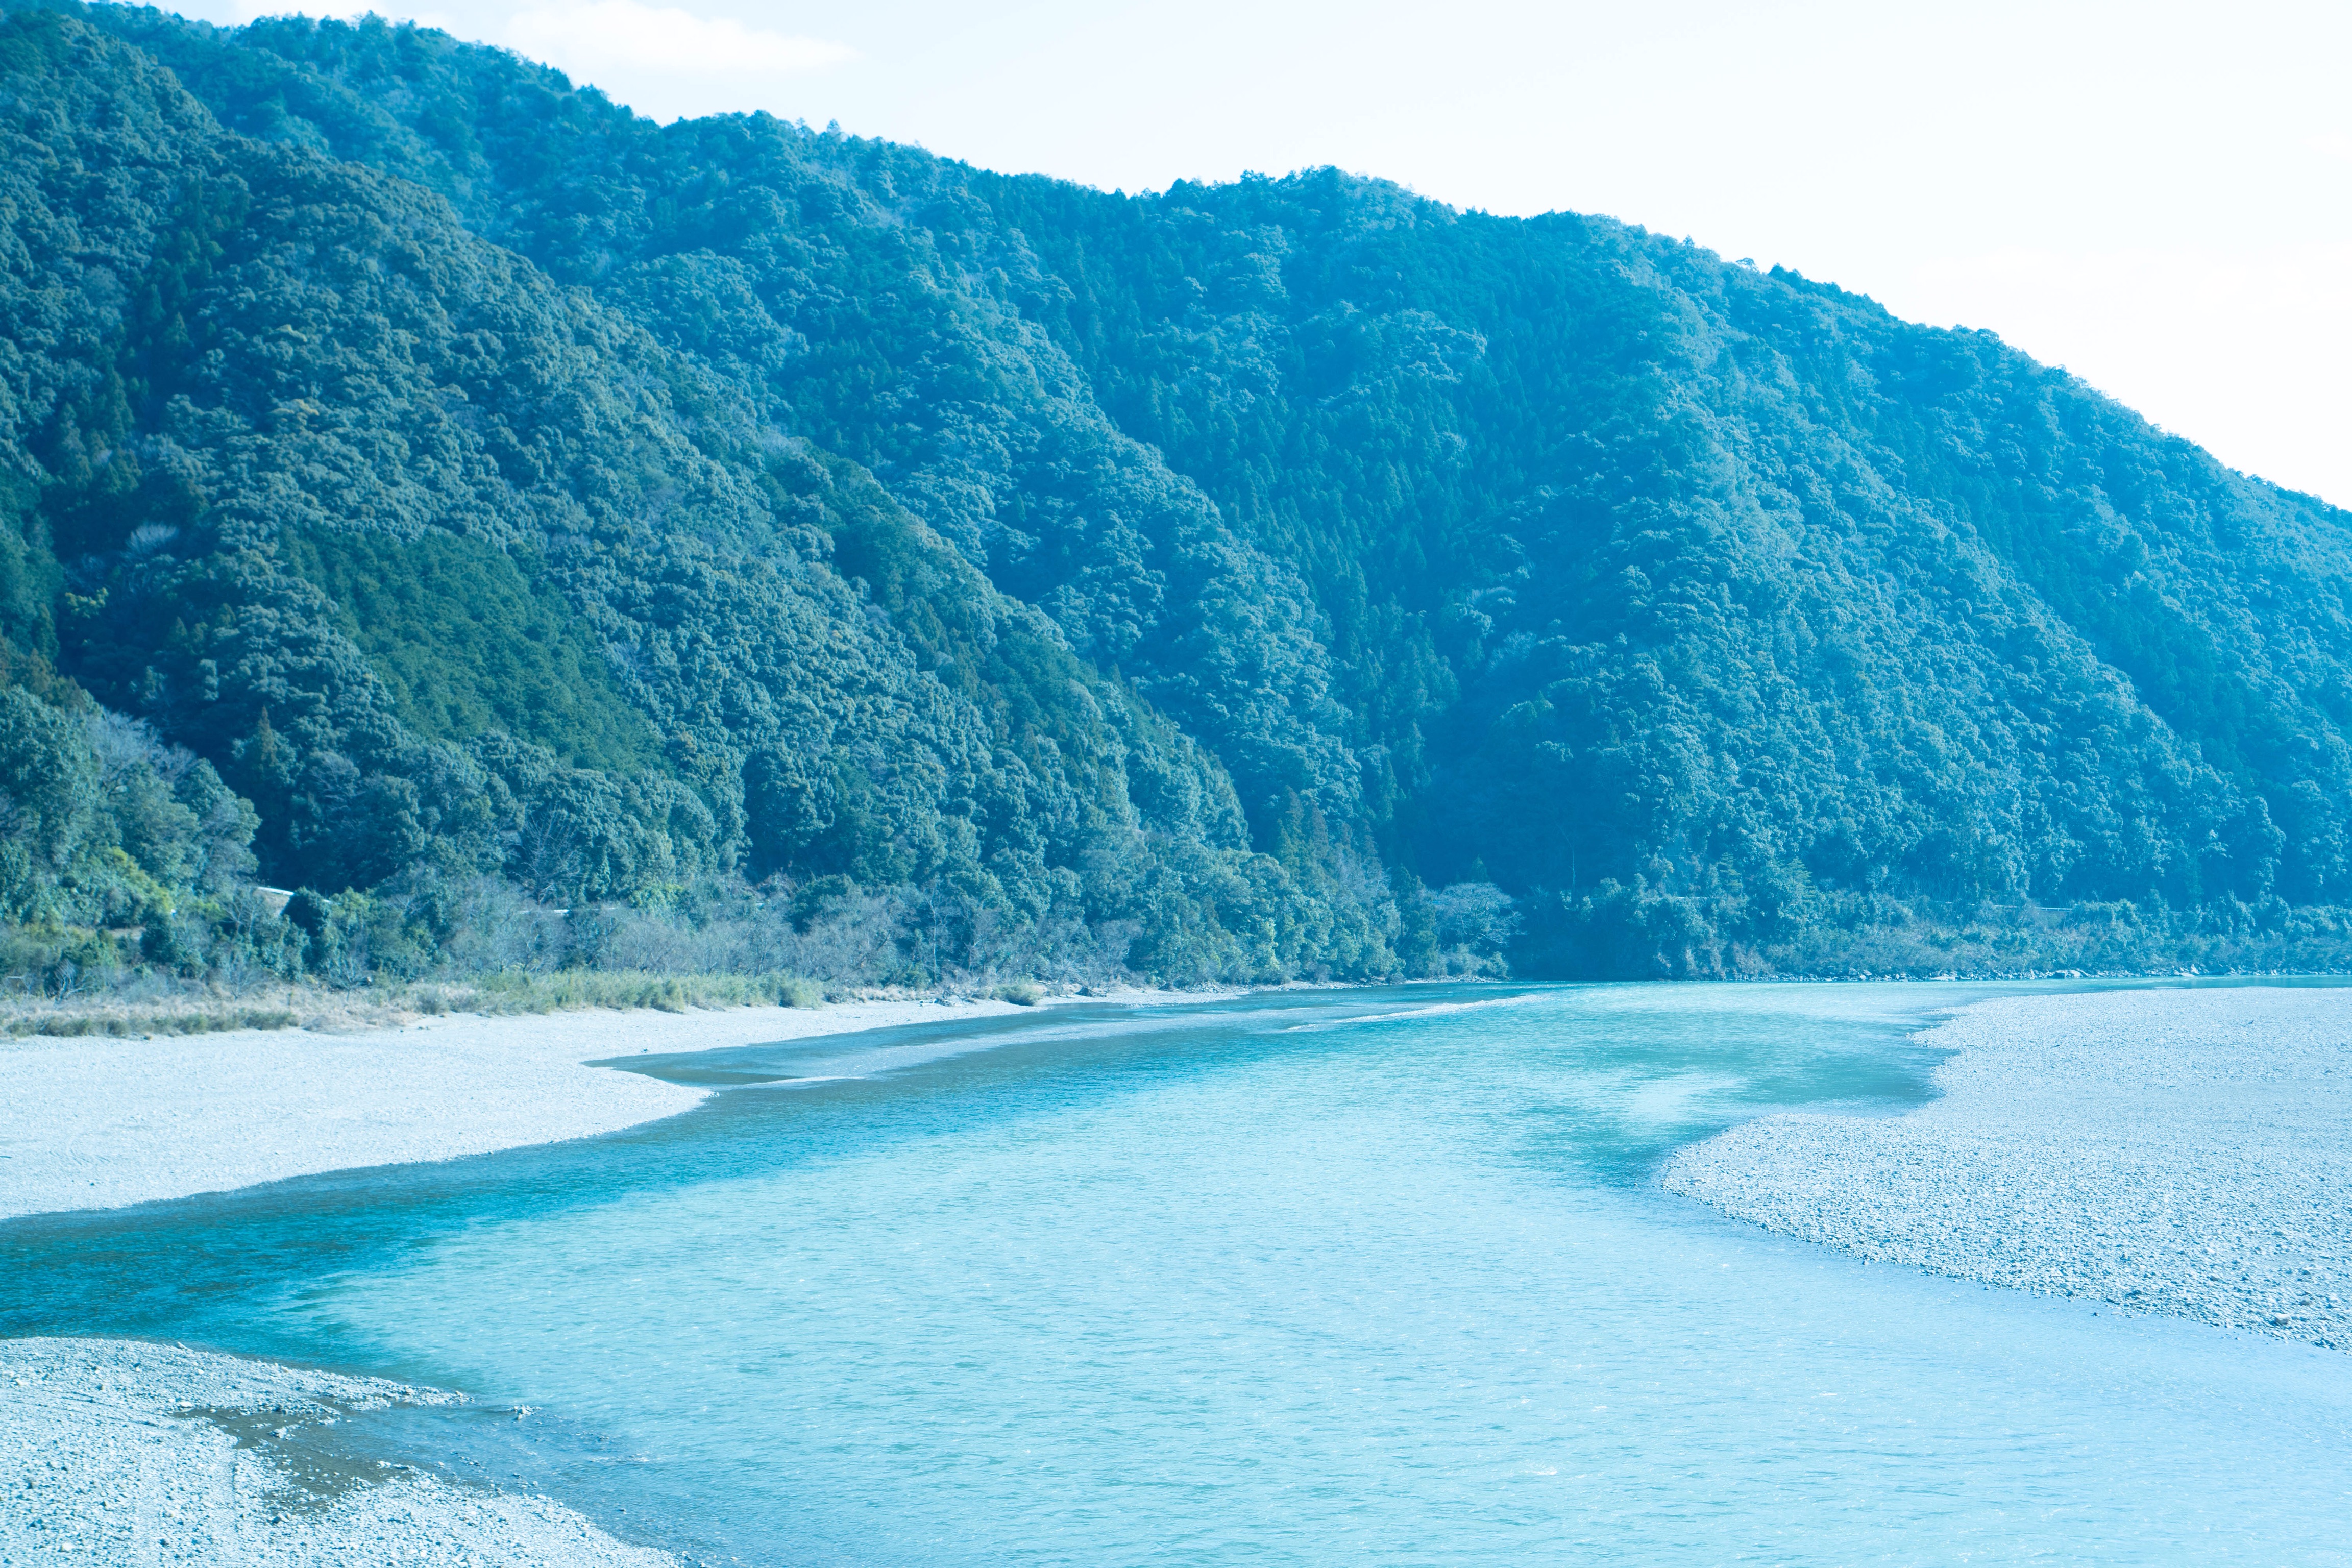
x,y
2178,1151
105,1121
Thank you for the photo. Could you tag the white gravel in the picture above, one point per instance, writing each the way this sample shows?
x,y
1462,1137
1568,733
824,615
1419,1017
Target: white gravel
x,y
2186,1152
99,1122
116,1453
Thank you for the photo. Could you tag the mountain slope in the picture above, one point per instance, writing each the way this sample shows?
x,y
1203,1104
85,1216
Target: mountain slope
x,y
1711,613
249,375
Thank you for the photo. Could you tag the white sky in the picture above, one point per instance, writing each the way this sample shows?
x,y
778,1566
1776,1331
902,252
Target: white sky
x,y
2157,195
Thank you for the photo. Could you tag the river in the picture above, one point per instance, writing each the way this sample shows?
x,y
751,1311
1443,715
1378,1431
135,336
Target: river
x,y
1318,1276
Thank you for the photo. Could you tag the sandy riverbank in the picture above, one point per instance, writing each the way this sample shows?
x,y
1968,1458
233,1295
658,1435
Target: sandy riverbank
x,y
99,1122
2186,1151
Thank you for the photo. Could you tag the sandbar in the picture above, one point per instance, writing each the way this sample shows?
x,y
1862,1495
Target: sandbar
x,y
2185,1152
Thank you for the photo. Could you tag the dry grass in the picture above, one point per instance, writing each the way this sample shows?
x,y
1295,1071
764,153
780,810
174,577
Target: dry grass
x,y
141,1020
375,1006
569,989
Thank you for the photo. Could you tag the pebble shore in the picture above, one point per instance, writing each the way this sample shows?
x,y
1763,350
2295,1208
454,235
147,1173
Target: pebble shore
x,y
120,1452
2181,1152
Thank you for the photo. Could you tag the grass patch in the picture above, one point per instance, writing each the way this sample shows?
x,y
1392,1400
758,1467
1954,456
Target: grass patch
x,y
570,990
377,1006
122,1024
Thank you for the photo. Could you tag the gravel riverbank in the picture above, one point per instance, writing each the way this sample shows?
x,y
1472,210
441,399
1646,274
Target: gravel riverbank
x,y
2186,1152
114,1452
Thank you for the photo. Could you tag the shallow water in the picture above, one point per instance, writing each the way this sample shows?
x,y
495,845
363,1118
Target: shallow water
x,y
1319,1277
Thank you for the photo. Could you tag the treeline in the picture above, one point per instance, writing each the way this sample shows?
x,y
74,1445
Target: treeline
x,y
789,552
1642,931
126,868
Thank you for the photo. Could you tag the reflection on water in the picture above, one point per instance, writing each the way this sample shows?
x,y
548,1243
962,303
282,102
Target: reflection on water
x,y
1317,1277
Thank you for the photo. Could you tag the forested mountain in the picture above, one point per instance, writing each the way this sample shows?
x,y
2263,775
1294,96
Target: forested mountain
x,y
442,486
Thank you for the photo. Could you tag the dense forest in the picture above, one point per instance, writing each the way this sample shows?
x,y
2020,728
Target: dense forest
x,y
532,536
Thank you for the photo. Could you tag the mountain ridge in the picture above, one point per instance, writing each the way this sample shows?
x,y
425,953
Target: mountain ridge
x,y
1721,618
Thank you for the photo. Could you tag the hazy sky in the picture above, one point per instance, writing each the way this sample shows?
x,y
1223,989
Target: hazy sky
x,y
2157,196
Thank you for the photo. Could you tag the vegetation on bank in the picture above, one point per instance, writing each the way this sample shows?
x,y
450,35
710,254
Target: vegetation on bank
x,y
541,542
149,1004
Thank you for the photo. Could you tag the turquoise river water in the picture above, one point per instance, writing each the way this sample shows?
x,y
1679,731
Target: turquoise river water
x,y
1358,1277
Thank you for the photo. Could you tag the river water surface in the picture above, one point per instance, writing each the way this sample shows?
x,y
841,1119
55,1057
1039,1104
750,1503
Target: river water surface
x,y
1314,1277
